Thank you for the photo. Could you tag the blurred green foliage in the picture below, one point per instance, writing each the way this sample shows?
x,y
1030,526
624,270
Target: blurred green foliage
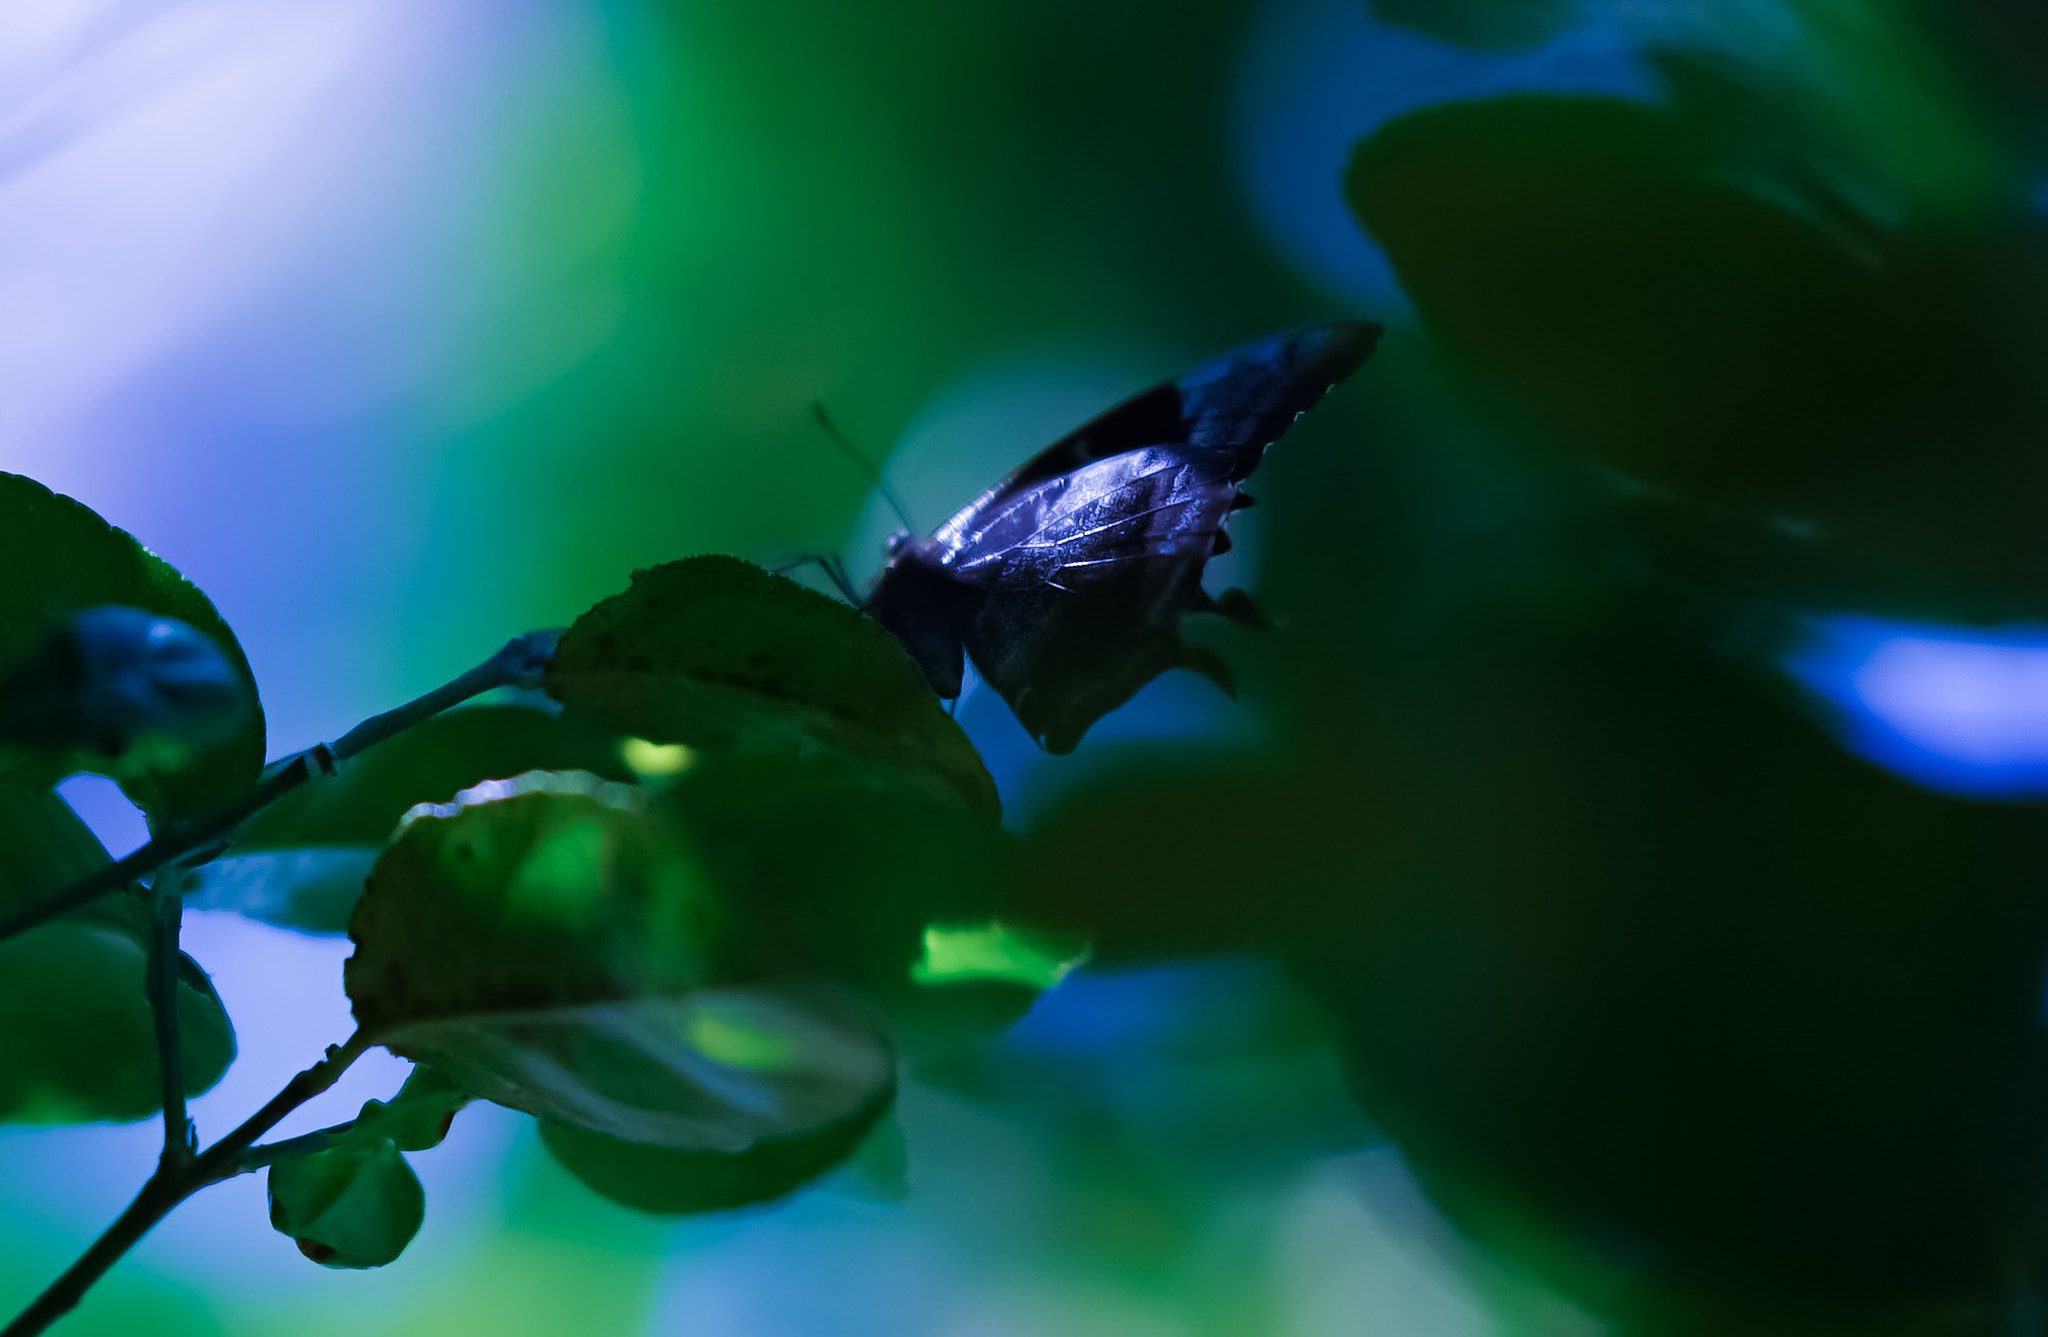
x,y
1668,998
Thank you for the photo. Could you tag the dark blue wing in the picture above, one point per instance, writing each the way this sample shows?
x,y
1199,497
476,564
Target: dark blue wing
x,y
1083,580
1066,582
1243,400
1157,502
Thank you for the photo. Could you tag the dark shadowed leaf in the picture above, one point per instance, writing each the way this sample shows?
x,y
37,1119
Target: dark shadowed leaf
x,y
840,862
1634,947
1817,409
1219,885
76,1040
58,560
552,945
301,862
354,1205
680,1183
845,865
717,653
1576,253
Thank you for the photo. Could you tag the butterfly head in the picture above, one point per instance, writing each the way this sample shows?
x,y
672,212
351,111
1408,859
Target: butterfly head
x,y
896,542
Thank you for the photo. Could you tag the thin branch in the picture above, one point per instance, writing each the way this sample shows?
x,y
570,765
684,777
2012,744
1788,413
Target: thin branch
x,y
520,663
174,1182
166,918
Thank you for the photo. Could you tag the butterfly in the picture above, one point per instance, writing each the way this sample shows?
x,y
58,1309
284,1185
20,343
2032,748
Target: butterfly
x,y
1066,582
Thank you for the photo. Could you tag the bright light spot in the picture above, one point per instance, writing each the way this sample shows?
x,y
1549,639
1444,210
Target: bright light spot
x,y
723,1035
1957,709
955,954
582,784
647,758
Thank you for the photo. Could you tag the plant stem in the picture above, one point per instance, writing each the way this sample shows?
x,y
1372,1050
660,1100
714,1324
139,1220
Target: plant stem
x,y
290,1148
166,918
520,663
175,1181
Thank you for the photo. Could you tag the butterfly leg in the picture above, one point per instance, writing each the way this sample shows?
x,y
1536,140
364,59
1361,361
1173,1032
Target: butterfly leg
x,y
833,567
1236,605
1207,663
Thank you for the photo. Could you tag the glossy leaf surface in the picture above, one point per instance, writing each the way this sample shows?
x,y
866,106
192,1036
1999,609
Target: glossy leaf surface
x,y
551,946
301,862
717,653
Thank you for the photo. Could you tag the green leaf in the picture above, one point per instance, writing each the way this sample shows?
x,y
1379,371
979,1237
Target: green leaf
x,y
352,1206
992,952
1626,940
57,560
301,862
1577,253
554,946
975,980
419,1116
837,862
840,864
76,1038
666,1182
716,653
1777,407
1212,890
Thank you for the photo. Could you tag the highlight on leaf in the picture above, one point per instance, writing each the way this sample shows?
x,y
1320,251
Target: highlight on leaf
x,y
301,863
717,654
551,946
996,952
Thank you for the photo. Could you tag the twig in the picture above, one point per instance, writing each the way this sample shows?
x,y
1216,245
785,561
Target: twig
x,y
519,664
175,1181
166,918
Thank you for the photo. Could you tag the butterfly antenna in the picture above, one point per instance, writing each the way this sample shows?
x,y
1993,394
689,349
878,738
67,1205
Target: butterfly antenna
x,y
866,466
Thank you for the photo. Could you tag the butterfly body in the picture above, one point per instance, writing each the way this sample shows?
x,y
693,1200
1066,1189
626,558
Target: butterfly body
x,y
1066,582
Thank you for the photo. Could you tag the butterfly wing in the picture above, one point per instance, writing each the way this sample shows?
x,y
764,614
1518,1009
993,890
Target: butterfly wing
x,y
1083,579
1243,399
1066,582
